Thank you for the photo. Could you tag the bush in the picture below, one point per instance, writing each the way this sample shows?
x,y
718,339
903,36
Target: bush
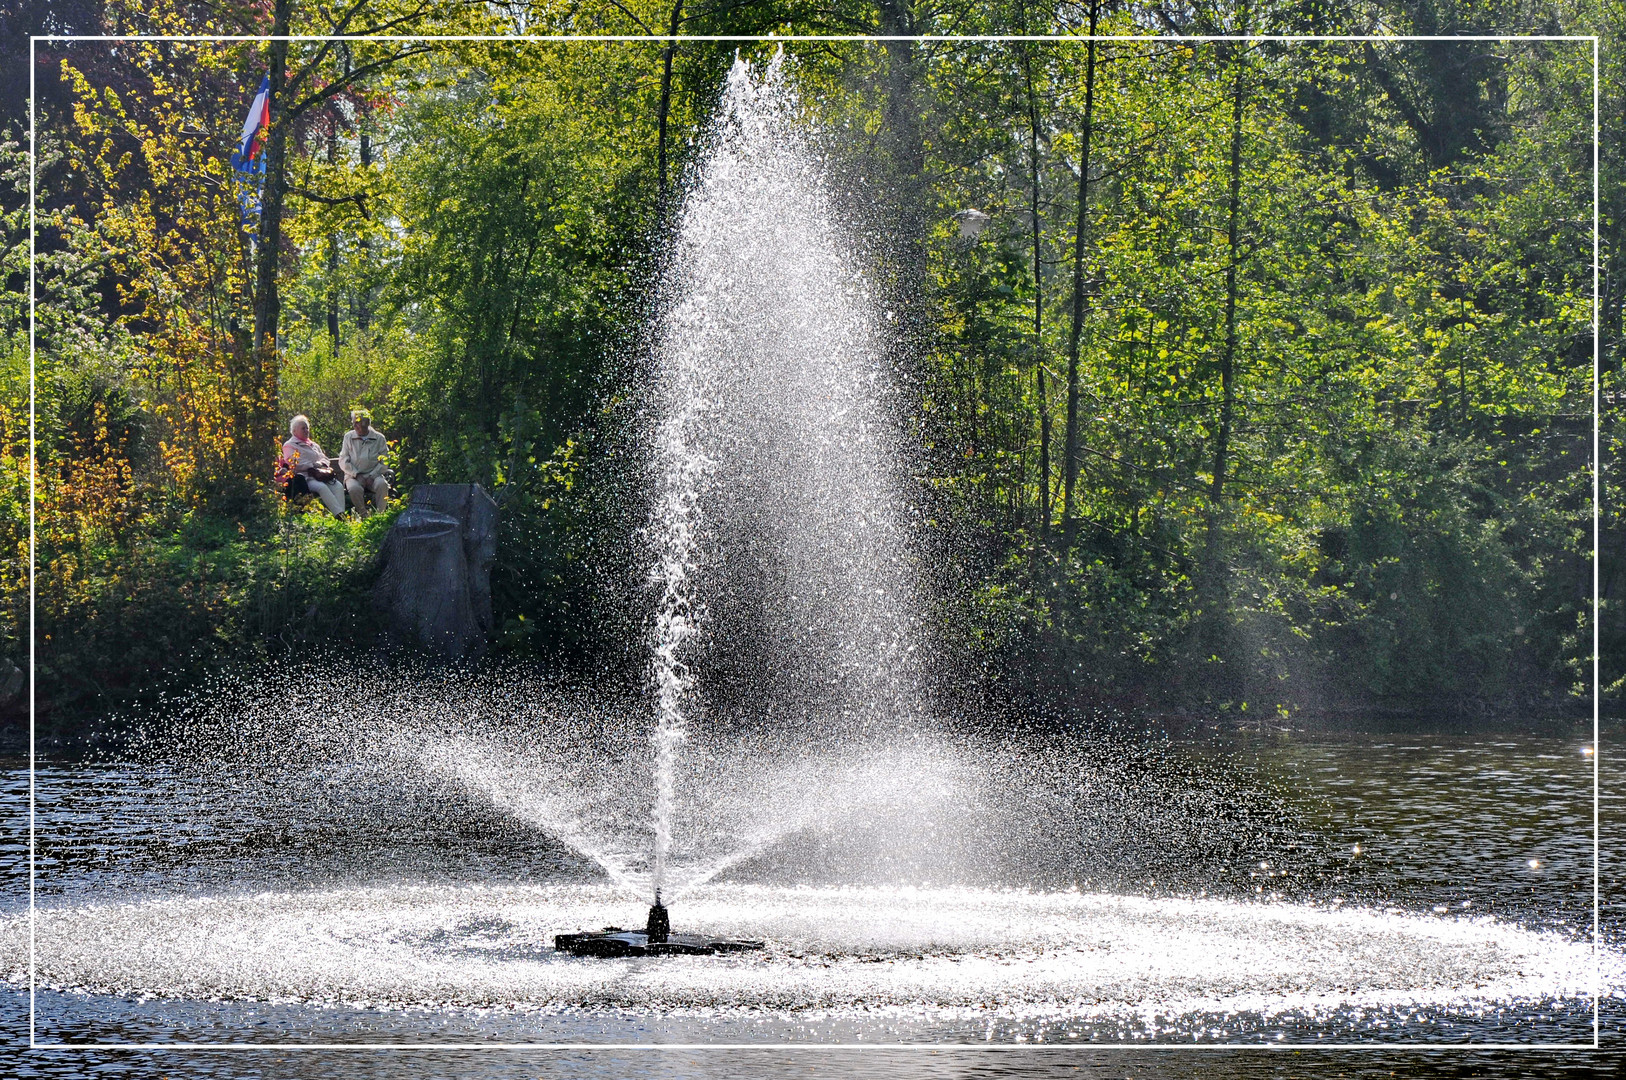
x,y
189,592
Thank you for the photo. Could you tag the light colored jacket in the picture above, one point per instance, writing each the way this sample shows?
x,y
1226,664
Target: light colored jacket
x,y
362,455
303,456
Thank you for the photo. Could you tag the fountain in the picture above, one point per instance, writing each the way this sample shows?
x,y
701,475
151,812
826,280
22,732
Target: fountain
x,y
775,458
780,521
656,939
293,858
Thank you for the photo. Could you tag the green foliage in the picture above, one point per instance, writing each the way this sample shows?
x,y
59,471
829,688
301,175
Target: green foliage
x,y
190,592
514,198
1401,517
1339,464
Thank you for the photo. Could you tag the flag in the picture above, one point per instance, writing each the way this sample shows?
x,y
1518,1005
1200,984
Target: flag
x,y
247,161
257,123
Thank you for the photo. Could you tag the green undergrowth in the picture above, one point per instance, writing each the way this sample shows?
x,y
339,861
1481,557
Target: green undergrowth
x,y
178,598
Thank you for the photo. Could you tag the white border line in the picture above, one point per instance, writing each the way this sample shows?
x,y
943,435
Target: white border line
x,y
1597,469
811,37
33,456
780,1047
1597,621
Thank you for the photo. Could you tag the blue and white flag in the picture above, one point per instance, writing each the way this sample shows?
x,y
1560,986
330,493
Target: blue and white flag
x,y
248,159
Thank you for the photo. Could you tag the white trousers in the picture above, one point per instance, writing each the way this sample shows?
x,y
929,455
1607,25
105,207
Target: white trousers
x,y
329,491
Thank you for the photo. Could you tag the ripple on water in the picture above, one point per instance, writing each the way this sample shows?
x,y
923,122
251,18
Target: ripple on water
x,y
856,950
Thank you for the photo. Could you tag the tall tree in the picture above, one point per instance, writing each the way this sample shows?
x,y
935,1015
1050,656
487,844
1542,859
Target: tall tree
x,y
1080,291
290,100
1233,258
1036,222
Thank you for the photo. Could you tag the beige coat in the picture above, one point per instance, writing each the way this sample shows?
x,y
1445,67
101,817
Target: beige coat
x,y
362,455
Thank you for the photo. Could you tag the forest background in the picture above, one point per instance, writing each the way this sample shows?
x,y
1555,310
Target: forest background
x,y
1265,390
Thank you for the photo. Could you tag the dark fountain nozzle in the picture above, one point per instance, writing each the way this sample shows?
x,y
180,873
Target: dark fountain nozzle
x,y
659,928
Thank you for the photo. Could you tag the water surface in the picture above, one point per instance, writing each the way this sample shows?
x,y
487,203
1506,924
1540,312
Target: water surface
x,y
1429,889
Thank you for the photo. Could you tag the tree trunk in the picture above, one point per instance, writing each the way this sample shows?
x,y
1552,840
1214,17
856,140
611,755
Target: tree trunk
x,y
267,301
1070,465
1038,297
1222,441
257,390
333,293
364,293
664,111
333,257
907,149
897,20
1212,583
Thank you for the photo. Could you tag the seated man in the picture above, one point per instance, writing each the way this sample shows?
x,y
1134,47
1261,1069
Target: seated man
x,y
361,458
308,470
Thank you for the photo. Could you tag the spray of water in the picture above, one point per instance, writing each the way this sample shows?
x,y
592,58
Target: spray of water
x,y
678,512
779,533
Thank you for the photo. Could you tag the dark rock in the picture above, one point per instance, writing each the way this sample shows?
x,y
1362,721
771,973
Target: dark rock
x,y
435,586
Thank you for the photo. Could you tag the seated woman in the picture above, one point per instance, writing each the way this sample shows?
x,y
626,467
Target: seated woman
x,y
308,469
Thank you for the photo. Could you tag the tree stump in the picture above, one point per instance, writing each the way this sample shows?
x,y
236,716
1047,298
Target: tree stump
x,y
434,590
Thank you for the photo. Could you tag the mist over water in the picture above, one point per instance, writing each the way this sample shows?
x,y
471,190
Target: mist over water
x,y
420,846
994,955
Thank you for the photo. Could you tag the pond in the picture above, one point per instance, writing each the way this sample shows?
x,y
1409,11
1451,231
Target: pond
x,y
1413,889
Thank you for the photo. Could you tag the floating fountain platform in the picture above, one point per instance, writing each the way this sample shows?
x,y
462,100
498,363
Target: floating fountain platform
x,y
614,941
656,939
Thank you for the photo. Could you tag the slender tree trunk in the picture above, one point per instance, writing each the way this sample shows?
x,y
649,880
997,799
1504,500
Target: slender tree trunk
x,y
364,294
1080,234
333,258
256,390
1212,585
1038,296
664,111
897,20
1222,441
907,149
333,292
267,301
1044,448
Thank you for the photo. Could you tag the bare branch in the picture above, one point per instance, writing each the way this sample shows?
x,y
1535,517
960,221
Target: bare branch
x,y
379,28
623,10
359,198
726,7
337,87
327,46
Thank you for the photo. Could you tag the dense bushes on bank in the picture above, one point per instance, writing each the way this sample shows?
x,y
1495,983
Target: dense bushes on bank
x,y
197,594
